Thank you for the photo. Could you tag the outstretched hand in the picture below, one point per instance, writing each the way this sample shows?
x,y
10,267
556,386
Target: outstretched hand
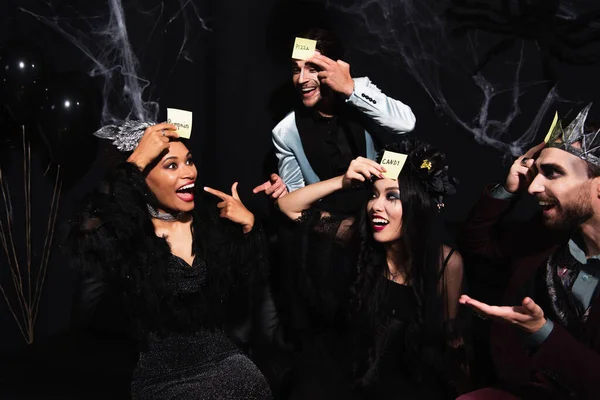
x,y
232,208
528,316
274,187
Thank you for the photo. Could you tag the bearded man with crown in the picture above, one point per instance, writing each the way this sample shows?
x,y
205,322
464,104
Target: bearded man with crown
x,y
545,334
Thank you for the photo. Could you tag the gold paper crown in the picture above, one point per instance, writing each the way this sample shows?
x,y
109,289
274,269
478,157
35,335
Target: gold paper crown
x,y
588,144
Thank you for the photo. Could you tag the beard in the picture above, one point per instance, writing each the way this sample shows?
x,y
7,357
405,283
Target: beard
x,y
571,216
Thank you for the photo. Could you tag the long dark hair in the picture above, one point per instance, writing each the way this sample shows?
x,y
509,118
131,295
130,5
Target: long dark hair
x,y
112,237
421,240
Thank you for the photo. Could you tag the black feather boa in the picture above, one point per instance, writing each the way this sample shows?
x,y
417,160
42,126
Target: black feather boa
x,y
112,237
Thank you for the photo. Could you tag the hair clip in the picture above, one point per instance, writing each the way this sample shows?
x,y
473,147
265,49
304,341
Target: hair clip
x,y
426,164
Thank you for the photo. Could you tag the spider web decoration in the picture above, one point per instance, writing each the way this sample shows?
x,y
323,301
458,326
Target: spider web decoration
x,y
568,31
102,36
437,42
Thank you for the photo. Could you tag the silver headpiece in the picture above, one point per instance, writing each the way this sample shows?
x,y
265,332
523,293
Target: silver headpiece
x,y
588,144
126,136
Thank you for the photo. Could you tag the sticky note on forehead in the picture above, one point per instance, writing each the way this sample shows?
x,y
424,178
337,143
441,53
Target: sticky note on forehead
x,y
554,122
303,48
182,120
393,163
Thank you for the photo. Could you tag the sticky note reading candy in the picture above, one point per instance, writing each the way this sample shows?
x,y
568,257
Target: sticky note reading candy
x,y
554,121
182,120
393,163
303,48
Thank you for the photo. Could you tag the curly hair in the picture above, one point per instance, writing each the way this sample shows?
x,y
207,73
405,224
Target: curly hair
x,y
112,237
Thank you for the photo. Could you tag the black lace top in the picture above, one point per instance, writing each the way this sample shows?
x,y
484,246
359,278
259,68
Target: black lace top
x,y
380,351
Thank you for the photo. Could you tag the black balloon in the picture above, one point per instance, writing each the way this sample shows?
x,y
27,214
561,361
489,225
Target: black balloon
x,y
69,114
22,69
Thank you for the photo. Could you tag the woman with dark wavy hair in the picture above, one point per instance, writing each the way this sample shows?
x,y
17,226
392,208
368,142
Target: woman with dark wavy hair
x,y
401,308
182,267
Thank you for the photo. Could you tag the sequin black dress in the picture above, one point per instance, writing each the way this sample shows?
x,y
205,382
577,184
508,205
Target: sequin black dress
x,y
204,364
181,314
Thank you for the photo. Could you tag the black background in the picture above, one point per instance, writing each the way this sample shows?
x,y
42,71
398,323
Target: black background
x,y
236,80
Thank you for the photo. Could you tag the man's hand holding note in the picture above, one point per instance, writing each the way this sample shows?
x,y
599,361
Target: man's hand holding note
x,y
303,48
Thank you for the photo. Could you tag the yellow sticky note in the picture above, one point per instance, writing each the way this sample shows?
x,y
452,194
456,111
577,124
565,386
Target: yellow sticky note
x,y
393,163
554,121
182,119
303,48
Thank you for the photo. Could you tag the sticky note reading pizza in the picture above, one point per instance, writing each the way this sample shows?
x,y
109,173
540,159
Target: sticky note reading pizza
x,y
303,48
182,120
554,121
393,163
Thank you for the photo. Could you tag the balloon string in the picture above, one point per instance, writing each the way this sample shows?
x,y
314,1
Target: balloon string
x,y
48,243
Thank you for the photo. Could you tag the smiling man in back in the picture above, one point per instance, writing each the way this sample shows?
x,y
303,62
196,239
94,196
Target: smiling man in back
x,y
336,123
